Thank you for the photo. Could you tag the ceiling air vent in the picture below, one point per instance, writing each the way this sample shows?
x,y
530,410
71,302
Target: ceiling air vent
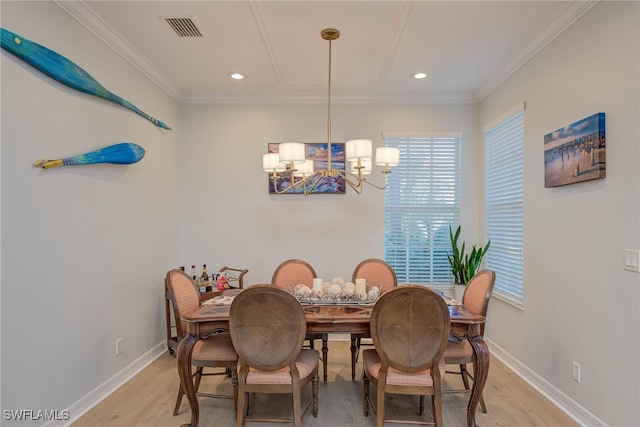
x,y
184,27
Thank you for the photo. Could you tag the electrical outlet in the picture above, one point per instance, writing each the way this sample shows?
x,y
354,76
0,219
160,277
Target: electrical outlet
x,y
632,260
118,346
576,371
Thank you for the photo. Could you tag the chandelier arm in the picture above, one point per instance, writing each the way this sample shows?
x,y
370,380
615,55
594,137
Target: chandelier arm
x,y
364,180
295,185
356,186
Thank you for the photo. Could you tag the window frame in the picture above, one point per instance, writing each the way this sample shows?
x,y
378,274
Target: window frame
x,y
433,254
506,204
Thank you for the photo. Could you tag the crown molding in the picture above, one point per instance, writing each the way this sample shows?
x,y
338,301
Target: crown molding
x,y
335,100
563,20
96,25
88,18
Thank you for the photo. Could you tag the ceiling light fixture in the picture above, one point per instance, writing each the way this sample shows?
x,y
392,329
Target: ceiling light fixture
x,y
299,174
237,76
420,75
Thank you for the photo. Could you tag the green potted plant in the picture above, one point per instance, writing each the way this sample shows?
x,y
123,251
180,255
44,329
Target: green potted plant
x,y
464,265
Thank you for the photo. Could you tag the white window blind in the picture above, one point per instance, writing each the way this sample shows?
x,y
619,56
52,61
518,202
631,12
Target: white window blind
x,y
421,202
504,204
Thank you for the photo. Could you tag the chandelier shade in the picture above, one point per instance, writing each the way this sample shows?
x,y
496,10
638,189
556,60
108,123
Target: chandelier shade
x,y
292,172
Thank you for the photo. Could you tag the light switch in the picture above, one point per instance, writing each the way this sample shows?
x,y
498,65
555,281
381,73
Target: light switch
x,y
632,260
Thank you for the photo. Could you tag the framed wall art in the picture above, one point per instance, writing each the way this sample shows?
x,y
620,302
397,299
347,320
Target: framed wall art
x,y
317,152
575,153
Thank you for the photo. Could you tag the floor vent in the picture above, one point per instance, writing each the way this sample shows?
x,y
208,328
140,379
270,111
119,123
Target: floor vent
x,y
184,27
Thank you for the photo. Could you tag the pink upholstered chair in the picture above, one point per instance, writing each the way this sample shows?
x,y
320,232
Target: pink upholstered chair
x,y
268,326
294,272
377,273
476,298
409,326
216,351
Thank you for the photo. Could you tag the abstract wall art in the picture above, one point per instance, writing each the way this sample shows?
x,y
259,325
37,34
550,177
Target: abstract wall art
x,y
63,70
124,153
317,152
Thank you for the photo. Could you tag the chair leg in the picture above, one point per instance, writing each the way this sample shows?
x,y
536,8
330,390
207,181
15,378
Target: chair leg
x,y
297,416
314,394
465,375
234,383
178,400
380,405
436,400
365,380
198,376
354,356
325,355
421,410
241,408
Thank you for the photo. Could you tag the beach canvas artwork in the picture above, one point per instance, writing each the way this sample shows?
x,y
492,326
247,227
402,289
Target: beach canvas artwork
x,y
575,153
318,152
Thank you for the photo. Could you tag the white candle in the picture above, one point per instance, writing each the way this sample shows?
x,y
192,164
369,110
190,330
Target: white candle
x,y
317,285
361,286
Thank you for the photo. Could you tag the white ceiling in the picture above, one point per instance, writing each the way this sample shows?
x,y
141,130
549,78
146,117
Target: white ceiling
x,y
468,47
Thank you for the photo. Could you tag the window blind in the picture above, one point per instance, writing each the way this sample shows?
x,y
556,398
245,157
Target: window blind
x,y
421,202
504,204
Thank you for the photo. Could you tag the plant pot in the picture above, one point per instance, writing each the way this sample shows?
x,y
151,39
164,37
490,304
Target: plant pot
x,y
458,291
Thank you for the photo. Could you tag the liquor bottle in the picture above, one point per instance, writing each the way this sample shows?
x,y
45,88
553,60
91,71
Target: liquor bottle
x,y
193,272
204,277
181,268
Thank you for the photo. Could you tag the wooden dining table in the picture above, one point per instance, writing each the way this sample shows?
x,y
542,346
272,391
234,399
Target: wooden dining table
x,y
329,318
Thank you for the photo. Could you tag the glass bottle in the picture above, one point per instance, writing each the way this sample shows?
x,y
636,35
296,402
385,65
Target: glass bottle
x,y
193,272
204,277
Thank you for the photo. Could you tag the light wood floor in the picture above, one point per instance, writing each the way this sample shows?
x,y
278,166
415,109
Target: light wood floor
x,y
148,400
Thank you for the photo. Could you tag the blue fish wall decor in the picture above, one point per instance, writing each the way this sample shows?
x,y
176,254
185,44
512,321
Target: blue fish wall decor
x,y
63,70
124,153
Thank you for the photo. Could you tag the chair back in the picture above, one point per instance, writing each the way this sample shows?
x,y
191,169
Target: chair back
x,y
377,273
477,294
410,326
184,296
293,272
267,327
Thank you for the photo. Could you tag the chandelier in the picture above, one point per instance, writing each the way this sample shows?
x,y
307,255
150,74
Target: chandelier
x,y
291,171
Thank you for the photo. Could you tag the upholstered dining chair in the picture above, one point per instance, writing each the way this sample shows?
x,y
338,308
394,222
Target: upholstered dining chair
x,y
476,298
294,272
409,326
377,273
268,326
216,351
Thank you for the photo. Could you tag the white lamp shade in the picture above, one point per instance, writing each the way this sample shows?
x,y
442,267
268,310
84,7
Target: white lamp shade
x,y
389,156
304,169
271,163
364,163
358,149
291,152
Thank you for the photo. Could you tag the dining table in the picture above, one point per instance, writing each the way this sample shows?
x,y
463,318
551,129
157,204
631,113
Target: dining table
x,y
213,317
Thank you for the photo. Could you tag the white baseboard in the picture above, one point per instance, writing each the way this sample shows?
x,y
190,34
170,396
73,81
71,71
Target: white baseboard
x,y
101,392
555,396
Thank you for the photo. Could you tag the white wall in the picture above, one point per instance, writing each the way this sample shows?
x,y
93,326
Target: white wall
x,y
579,303
229,218
84,248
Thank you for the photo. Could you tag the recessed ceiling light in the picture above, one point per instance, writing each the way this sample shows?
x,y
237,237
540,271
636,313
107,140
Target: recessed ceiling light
x,y
237,76
420,75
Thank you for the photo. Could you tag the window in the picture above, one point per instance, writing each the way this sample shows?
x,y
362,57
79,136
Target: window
x,y
421,202
504,204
